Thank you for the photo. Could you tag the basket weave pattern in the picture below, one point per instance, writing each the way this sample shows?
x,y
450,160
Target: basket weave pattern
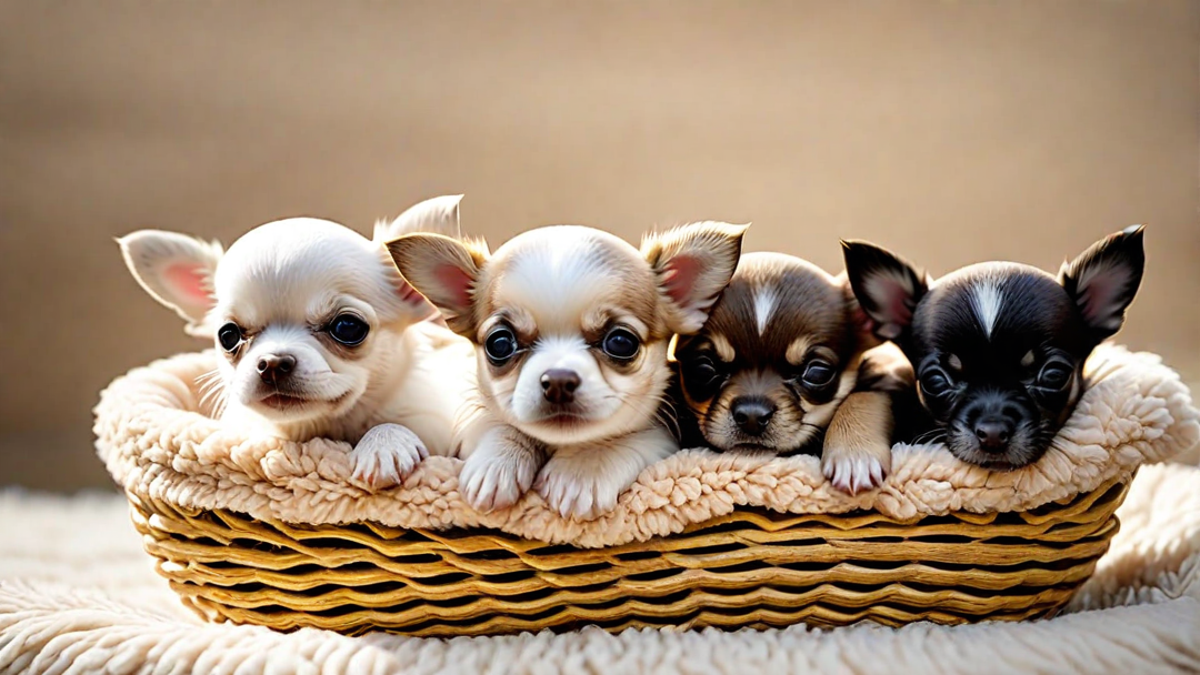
x,y
754,568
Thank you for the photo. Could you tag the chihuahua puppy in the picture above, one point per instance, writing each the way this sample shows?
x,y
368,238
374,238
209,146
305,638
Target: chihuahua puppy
x,y
782,366
999,348
571,326
320,336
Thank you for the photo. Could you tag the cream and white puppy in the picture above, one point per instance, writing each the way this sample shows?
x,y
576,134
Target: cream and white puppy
x,y
320,336
571,327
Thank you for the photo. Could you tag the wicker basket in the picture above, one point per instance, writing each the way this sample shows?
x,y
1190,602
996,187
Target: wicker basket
x,y
753,568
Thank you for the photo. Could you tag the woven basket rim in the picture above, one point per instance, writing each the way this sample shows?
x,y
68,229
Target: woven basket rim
x,y
154,444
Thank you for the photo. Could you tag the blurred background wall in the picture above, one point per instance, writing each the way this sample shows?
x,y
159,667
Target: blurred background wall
x,y
952,131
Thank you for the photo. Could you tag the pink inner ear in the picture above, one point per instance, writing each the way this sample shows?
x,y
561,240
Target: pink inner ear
x,y
1097,298
679,278
895,306
187,279
456,283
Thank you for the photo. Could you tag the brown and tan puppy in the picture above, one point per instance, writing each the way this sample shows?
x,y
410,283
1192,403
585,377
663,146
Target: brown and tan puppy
x,y
782,366
571,327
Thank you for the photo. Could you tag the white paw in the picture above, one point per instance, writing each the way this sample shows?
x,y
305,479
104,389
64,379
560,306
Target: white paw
x,y
496,474
385,456
853,472
582,497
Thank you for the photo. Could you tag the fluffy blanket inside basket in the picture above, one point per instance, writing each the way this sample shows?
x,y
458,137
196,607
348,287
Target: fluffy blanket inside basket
x,y
157,441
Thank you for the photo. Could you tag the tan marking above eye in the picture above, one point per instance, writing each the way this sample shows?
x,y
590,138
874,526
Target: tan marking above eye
x,y
797,350
722,347
1028,359
956,363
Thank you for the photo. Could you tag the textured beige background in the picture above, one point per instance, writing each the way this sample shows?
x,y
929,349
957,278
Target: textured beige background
x,y
952,131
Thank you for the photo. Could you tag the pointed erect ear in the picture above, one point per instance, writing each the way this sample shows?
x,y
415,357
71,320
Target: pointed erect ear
x,y
887,288
862,325
438,215
445,271
176,270
1103,280
693,265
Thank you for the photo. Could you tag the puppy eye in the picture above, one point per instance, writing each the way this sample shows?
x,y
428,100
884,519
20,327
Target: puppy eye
x,y
817,374
935,383
621,344
1054,376
501,345
230,336
348,329
701,377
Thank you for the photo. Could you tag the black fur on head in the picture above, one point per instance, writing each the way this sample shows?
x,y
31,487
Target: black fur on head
x,y
999,348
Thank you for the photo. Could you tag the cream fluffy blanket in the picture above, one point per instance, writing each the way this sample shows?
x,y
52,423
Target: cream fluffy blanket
x,y
78,595
156,443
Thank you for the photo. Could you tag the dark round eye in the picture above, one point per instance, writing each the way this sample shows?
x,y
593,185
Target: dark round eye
x,y
501,345
817,374
621,344
1054,376
701,377
348,329
230,336
935,383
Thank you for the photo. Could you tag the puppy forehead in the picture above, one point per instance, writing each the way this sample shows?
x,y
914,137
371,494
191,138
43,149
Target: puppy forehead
x,y
997,311
562,275
773,300
291,268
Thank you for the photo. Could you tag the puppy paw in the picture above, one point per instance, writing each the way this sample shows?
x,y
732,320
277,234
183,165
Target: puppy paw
x,y
385,456
498,472
583,497
856,470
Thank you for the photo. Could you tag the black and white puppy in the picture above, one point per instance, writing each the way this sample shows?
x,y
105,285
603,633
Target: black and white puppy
x,y
782,366
999,347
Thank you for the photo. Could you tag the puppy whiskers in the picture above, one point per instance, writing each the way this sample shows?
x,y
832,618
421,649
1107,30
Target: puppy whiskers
x,y
213,394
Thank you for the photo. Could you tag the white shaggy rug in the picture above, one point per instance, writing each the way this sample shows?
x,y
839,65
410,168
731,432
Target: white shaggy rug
x,y
77,595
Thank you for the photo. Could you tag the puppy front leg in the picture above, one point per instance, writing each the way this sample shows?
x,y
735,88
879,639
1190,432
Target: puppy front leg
x,y
499,468
584,481
385,455
857,455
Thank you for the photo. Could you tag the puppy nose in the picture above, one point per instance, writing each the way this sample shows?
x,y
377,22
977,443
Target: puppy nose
x,y
752,414
274,367
559,385
993,433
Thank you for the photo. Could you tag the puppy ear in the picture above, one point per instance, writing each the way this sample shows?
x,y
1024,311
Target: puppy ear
x,y
438,215
693,265
176,270
861,325
1103,280
887,287
445,271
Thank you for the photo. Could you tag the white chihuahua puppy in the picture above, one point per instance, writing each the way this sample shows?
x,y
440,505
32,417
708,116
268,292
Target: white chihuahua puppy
x,y
571,326
320,335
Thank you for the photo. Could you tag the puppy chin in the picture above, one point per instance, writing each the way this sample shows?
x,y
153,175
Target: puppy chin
x,y
298,405
1023,450
725,438
573,425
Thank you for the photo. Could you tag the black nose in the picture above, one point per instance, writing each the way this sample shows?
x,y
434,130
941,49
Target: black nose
x,y
993,433
752,414
559,385
275,367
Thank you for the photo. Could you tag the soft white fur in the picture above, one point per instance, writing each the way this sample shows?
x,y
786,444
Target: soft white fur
x,y
395,397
